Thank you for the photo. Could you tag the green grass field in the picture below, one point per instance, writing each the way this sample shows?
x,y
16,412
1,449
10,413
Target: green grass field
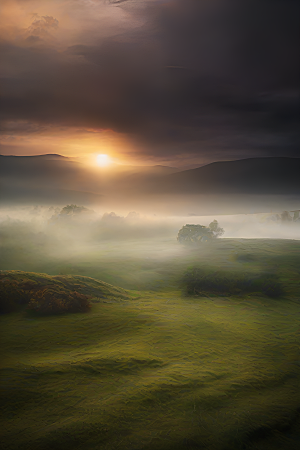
x,y
156,369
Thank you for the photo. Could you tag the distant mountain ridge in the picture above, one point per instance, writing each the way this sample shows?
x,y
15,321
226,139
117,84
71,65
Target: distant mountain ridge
x,y
48,196
273,175
55,179
47,156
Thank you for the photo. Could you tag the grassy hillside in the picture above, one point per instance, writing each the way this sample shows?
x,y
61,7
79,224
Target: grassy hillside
x,y
160,370
154,264
47,294
84,285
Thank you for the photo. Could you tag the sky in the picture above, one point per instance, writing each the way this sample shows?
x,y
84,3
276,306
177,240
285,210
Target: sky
x,y
172,82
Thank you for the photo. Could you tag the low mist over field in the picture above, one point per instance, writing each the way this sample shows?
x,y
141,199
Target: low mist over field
x,y
81,225
34,237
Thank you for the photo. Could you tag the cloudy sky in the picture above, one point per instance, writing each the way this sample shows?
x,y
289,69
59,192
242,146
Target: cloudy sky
x,y
173,82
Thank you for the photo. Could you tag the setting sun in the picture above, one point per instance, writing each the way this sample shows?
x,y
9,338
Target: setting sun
x,y
103,160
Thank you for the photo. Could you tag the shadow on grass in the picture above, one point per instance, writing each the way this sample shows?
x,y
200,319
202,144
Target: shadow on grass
x,y
198,281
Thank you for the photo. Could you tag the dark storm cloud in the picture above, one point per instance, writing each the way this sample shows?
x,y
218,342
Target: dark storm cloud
x,y
198,74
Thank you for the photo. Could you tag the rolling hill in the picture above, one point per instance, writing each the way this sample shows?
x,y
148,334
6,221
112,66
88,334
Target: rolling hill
x,y
246,176
84,285
163,370
51,179
19,288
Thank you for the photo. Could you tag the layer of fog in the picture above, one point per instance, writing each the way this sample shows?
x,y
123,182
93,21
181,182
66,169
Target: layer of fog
x,y
131,250
60,229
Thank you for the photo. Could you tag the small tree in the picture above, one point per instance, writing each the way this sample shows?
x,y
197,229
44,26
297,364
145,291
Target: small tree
x,y
217,231
70,210
194,234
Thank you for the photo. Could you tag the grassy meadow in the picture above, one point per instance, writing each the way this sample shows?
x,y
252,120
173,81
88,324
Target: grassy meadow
x,y
155,368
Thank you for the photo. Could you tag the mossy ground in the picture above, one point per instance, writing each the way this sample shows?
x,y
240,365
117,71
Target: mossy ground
x,y
160,370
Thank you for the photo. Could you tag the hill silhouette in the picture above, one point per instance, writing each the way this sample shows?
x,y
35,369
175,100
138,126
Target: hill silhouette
x,y
55,179
47,156
249,176
45,179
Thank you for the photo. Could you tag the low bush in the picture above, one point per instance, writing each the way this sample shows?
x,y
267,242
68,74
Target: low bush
x,y
12,295
53,301
41,299
197,281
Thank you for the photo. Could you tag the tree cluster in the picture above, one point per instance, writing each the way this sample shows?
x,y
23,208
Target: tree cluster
x,y
195,234
285,217
71,210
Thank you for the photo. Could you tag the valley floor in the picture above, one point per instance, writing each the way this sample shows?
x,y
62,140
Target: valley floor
x,y
160,370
